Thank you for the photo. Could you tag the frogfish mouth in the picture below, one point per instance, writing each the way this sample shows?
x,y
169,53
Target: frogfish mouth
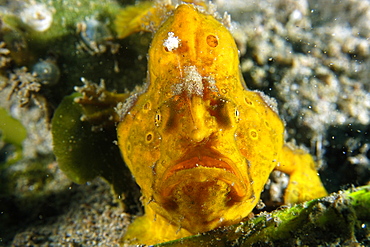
x,y
197,184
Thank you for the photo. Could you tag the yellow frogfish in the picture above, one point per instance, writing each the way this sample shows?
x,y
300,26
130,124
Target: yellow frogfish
x,y
200,144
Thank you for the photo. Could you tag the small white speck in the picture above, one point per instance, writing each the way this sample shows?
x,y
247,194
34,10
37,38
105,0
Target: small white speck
x,y
172,42
296,15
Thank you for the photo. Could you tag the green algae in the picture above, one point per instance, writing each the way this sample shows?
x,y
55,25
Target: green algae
x,y
338,219
70,138
12,132
83,154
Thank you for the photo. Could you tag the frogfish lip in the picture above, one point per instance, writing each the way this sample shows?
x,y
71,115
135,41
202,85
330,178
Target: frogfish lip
x,y
203,167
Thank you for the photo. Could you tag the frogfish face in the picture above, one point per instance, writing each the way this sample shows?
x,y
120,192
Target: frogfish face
x,y
196,138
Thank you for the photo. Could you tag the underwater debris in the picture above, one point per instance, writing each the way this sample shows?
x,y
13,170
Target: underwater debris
x,y
273,194
37,16
25,85
95,37
47,72
98,104
16,44
4,55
